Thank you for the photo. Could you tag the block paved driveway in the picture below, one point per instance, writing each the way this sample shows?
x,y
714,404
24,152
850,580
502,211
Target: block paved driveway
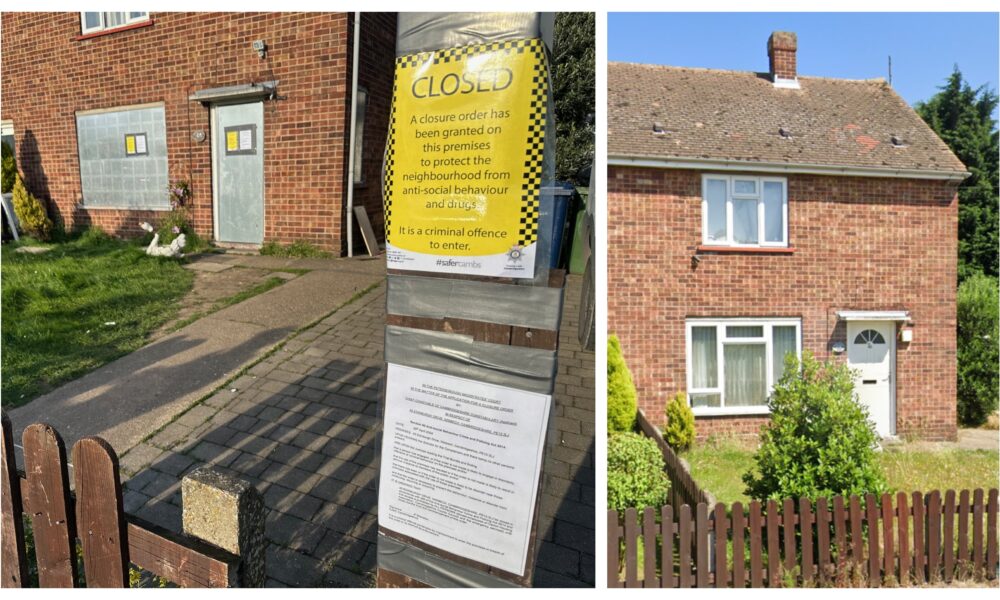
x,y
302,426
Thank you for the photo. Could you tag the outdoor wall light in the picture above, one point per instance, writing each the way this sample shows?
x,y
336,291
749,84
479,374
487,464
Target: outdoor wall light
x,y
260,48
906,335
838,347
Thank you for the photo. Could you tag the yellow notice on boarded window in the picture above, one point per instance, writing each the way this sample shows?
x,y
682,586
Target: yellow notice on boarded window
x,y
232,141
464,159
129,144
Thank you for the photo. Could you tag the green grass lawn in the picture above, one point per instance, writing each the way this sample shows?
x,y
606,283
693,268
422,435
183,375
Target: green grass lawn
x,y
78,306
718,467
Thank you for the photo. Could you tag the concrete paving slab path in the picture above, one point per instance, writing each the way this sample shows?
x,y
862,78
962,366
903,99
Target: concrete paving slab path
x,y
127,399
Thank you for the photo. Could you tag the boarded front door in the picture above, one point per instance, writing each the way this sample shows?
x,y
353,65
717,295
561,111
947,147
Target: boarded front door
x,y
870,349
238,172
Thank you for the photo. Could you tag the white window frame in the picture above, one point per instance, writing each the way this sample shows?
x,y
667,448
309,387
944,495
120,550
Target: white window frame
x,y
732,195
721,341
103,26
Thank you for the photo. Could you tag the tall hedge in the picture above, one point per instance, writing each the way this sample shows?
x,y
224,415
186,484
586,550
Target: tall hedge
x,y
621,390
978,350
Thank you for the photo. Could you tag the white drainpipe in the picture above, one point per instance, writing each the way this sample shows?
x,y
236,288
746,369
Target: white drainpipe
x,y
350,152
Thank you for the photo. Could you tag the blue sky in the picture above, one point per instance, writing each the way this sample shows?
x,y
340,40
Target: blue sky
x,y
924,46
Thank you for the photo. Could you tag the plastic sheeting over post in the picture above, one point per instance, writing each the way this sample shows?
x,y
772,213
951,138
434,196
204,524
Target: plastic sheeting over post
x,y
473,307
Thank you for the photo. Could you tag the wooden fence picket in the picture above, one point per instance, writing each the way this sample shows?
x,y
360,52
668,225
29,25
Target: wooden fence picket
x,y
756,546
992,506
934,537
805,532
739,546
773,551
822,539
888,549
649,535
963,527
721,541
631,547
919,537
669,531
100,516
614,541
857,540
13,562
948,535
903,519
977,530
48,505
701,545
871,518
684,547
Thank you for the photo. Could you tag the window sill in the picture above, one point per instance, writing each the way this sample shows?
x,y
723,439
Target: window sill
x,y
745,249
95,34
85,206
749,411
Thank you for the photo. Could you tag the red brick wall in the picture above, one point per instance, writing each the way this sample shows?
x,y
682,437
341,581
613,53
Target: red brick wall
x,y
49,75
377,59
860,243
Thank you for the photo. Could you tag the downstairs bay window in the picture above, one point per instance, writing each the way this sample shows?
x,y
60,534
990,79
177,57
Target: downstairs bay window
x,y
732,364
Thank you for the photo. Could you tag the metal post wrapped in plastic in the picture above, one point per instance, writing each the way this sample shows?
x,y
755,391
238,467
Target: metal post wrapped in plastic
x,y
471,350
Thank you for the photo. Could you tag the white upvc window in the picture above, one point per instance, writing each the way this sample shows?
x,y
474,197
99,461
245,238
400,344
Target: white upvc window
x,y
733,364
92,22
744,211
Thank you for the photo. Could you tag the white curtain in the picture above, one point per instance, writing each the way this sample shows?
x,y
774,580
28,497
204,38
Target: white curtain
x,y
746,376
782,342
705,359
774,228
745,221
715,198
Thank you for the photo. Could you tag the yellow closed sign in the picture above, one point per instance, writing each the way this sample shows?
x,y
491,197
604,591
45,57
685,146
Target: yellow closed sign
x,y
463,163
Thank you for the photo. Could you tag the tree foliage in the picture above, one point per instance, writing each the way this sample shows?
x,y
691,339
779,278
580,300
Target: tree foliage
x,y
573,90
819,441
8,169
621,390
963,118
978,352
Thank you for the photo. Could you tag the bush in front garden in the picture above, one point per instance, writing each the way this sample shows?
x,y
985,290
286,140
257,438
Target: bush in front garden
x,y
679,432
819,441
30,213
978,352
636,478
621,390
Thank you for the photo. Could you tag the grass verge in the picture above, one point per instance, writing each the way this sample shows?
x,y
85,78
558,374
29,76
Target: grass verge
x,y
719,467
298,249
80,305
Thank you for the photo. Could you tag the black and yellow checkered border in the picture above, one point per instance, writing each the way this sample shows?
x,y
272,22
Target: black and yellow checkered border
x,y
534,152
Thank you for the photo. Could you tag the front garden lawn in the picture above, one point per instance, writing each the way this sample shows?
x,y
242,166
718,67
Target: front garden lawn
x,y
719,467
80,305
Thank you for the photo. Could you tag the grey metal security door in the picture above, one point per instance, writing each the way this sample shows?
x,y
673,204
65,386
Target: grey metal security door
x,y
238,172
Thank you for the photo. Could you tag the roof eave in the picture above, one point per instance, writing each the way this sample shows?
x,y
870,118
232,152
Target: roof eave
x,y
719,164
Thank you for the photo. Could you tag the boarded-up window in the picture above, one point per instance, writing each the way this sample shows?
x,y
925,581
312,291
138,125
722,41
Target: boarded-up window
x,y
123,158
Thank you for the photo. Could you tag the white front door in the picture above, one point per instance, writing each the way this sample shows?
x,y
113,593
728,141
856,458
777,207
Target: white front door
x,y
871,349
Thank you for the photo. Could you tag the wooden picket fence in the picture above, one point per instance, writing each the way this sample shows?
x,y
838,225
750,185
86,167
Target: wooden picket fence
x,y
895,540
684,488
93,517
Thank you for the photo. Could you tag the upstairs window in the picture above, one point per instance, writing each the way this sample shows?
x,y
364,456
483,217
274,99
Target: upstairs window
x,y
92,22
744,211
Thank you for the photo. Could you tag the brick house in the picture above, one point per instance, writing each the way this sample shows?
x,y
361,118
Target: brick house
x,y
104,109
755,214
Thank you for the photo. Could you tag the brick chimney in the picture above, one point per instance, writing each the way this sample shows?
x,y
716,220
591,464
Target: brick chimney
x,y
781,48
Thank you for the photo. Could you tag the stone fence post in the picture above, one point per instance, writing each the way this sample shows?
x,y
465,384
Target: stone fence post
x,y
229,513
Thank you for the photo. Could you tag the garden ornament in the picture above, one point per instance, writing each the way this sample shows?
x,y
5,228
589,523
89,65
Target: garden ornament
x,y
172,250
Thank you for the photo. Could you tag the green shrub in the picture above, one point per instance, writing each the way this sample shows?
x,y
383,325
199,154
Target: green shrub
x,y
621,390
30,213
978,352
819,441
636,478
8,168
679,432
